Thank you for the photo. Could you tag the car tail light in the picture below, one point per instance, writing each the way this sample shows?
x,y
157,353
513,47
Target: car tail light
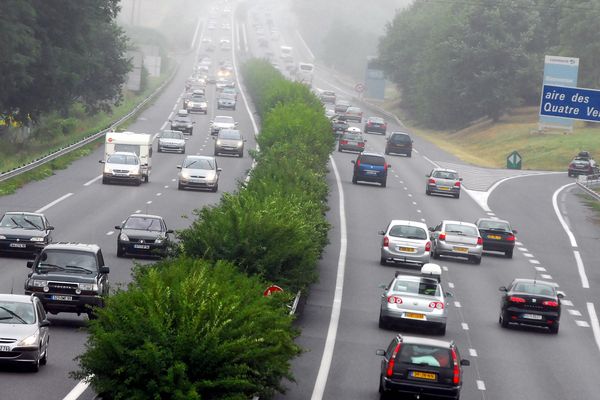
x,y
369,123
386,241
442,236
455,368
394,300
431,181
385,166
550,303
436,304
343,142
390,369
510,238
571,165
515,299
385,125
428,246
358,163
361,144
457,183
479,241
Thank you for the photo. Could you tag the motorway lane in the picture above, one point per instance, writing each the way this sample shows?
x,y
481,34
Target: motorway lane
x,y
92,211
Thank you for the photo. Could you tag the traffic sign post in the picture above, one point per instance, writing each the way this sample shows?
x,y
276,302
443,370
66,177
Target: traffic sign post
x,y
571,103
513,161
359,87
272,289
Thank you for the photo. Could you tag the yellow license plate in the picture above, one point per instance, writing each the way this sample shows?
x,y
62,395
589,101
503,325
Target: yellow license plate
x,y
495,237
414,315
423,375
461,249
444,188
407,249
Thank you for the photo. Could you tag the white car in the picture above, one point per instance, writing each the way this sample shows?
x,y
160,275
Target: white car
x,y
169,140
222,122
406,242
122,166
199,172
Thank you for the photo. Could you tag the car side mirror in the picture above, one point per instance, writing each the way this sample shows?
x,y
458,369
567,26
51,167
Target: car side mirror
x,y
560,294
465,363
460,179
353,161
431,229
514,231
104,269
235,123
29,264
170,231
179,167
427,176
44,323
117,227
503,289
381,232
50,228
219,169
101,161
380,352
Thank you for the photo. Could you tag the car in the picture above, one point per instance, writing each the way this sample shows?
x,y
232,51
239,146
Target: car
x,y
352,141
143,234
375,124
182,122
415,366
229,141
338,126
69,277
211,47
457,239
582,164
352,114
206,40
223,83
222,122
24,232
123,167
226,101
225,44
417,301
370,167
329,113
341,106
197,103
497,235
230,90
24,331
406,242
399,143
531,302
327,96
443,180
169,140
200,172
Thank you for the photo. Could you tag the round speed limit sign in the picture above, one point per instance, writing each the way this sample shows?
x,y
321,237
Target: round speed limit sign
x,y
359,87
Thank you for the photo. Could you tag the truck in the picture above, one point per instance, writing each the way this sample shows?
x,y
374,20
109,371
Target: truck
x,y
138,143
304,74
286,54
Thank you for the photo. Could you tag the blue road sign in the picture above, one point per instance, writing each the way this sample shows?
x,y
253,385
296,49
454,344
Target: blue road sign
x,y
571,102
561,71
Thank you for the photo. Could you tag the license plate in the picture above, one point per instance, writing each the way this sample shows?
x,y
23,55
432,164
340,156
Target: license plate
x,y
532,316
4,348
407,249
371,172
495,237
19,245
414,315
461,249
62,298
120,174
141,246
444,188
423,375
196,180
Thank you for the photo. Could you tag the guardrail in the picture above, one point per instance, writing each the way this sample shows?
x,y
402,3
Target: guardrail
x,y
585,182
88,139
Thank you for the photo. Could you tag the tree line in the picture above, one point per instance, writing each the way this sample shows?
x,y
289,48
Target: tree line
x,y
457,61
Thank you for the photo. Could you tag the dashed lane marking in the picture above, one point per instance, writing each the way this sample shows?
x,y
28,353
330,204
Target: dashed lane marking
x,y
457,304
88,183
534,261
528,255
473,352
480,385
451,285
594,323
409,195
541,269
519,243
110,233
581,323
546,276
419,211
149,202
53,203
137,211
523,249
444,268
414,203
465,326
567,302
159,194
573,312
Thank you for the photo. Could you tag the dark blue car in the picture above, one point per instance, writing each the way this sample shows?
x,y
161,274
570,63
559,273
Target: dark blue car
x,y
370,167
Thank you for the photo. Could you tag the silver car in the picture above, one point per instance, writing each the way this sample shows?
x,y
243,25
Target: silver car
x,y
24,332
405,242
413,300
222,122
169,140
199,172
442,180
352,141
458,239
229,141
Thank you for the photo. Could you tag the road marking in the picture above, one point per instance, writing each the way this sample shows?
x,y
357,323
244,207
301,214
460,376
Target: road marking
x,y
55,202
519,243
559,215
574,313
405,188
415,150
173,180
432,162
396,176
137,211
581,270
529,255
422,219
401,181
534,261
162,128
409,195
451,285
465,326
594,323
494,217
414,203
166,186
149,202
159,194
473,352
88,183
546,276
480,385
541,269
78,390
419,211
109,233
581,323
327,357
490,213
523,249
457,304
567,302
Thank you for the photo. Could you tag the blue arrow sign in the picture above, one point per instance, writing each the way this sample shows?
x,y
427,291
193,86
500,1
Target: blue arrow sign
x,y
571,102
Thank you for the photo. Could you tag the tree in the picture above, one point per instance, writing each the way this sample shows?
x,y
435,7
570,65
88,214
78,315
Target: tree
x,y
189,330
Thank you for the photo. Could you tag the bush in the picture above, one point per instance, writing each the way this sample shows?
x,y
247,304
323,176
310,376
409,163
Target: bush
x,y
188,329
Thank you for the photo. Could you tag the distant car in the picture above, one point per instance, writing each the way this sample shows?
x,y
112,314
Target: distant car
x,y
341,106
229,141
497,235
415,366
182,123
197,103
169,140
442,180
222,122
353,114
122,167
370,167
338,126
583,164
142,234
225,44
406,242
327,96
531,302
375,124
417,301
226,101
24,232
199,172
457,239
24,331
399,143
352,141
230,89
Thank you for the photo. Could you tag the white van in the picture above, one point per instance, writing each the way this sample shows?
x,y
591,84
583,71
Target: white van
x,y
304,74
138,143
286,53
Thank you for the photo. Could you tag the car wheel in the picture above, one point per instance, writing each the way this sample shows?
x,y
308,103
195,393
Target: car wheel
x,y
241,154
434,254
569,174
183,151
138,182
120,251
92,315
382,261
382,324
384,183
427,192
147,178
35,366
216,153
354,180
508,253
158,150
457,195
339,149
104,181
44,360
215,188
502,321
441,330
554,328
387,151
180,186
409,154
476,260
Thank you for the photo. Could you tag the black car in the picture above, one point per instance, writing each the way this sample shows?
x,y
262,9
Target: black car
x,y
182,123
341,106
399,143
24,232
339,126
375,124
420,366
69,277
370,167
530,302
143,234
497,235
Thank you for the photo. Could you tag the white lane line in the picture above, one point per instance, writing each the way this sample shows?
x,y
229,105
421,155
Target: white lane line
x,y
159,194
574,313
594,323
528,255
327,357
162,128
419,211
541,269
581,270
401,181
77,390
490,213
149,202
465,326
581,323
473,352
451,285
432,162
546,276
137,211
173,180
396,176
415,150
457,304
444,268
88,183
567,302
242,92
534,261
55,202
422,219
523,249
414,203
494,217
110,233
480,385
409,195
559,215
405,188
166,186
519,243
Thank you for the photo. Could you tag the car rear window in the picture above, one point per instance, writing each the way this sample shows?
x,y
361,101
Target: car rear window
x,y
445,175
408,232
494,225
376,120
373,160
534,288
352,136
425,355
399,138
424,286
462,229
230,134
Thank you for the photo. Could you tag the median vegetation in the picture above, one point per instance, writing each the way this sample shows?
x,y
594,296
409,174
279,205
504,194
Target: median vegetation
x,y
198,326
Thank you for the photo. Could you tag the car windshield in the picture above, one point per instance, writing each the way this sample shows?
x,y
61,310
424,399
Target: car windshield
x,y
400,138
14,312
372,160
143,224
223,120
535,288
171,135
408,232
494,225
353,110
227,96
122,159
67,261
445,175
466,230
198,97
22,221
420,354
198,163
424,286
182,120
376,120
353,136
231,135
